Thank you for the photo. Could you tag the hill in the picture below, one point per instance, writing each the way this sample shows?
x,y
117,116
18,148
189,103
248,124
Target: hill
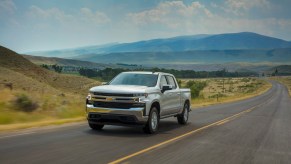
x,y
281,70
39,60
282,56
27,76
229,41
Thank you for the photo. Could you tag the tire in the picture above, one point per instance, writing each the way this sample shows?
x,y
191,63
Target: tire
x,y
152,125
183,117
95,126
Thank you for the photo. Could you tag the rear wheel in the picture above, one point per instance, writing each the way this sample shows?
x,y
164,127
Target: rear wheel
x,y
183,117
95,126
153,123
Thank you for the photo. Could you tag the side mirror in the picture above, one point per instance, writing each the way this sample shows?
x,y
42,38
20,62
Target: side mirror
x,y
104,83
166,88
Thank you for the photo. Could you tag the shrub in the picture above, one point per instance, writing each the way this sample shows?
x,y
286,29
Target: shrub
x,y
196,87
24,103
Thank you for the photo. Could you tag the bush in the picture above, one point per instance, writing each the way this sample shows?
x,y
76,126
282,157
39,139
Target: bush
x,y
24,103
196,87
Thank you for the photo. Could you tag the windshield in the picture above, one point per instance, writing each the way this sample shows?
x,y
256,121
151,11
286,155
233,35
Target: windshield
x,y
149,80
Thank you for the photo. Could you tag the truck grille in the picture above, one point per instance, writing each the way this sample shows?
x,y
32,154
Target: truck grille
x,y
117,105
113,94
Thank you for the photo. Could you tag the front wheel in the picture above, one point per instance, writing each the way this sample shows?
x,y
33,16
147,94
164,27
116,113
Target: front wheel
x,y
183,117
95,126
153,122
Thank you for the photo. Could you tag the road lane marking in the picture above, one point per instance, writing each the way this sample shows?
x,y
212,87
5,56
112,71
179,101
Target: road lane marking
x,y
223,122
183,135
14,135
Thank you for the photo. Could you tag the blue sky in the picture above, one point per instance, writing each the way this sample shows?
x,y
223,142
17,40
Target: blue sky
x,y
34,25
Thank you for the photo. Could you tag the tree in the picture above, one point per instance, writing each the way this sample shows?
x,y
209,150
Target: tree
x,y
57,68
276,72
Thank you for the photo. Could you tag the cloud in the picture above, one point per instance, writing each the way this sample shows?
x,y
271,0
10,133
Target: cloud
x,y
52,14
85,15
7,7
96,18
170,13
240,7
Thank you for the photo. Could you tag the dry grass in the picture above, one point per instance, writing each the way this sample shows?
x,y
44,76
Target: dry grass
x,y
220,90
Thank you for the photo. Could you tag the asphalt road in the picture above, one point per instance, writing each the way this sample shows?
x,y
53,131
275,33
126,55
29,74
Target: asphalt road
x,y
257,130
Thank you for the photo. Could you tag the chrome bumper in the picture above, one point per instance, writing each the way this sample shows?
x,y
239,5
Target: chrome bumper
x,y
137,112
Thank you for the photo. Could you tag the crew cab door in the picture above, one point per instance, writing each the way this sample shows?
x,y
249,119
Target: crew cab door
x,y
170,99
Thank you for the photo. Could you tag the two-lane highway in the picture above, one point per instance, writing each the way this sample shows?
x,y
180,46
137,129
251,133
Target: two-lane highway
x,y
256,130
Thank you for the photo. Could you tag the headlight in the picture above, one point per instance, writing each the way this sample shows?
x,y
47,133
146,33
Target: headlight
x,y
141,95
89,96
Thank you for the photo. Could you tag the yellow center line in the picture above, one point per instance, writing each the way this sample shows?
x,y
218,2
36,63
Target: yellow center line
x,y
223,122
187,134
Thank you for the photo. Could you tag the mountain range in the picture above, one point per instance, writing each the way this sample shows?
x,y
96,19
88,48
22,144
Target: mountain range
x,y
203,42
197,49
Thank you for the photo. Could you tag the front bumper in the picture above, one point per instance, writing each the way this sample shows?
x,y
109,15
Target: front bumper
x,y
115,116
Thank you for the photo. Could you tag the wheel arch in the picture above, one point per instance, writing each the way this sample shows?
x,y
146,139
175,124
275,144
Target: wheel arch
x,y
157,105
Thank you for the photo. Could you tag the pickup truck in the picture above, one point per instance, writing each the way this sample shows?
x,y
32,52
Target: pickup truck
x,y
137,99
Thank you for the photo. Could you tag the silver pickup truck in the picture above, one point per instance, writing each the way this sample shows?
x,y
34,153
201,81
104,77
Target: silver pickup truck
x,y
137,98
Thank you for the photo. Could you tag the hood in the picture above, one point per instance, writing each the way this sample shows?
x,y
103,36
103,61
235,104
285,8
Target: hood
x,y
119,89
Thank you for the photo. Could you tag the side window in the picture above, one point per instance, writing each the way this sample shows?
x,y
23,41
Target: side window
x,y
163,81
172,81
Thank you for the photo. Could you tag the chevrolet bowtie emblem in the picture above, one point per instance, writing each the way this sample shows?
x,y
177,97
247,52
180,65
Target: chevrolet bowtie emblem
x,y
109,98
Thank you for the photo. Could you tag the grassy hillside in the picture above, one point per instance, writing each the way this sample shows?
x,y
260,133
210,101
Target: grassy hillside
x,y
29,93
66,83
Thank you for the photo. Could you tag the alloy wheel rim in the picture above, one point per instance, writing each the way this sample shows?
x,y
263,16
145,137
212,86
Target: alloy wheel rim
x,y
186,113
154,120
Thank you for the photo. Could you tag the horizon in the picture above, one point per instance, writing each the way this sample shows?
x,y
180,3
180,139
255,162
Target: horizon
x,y
34,26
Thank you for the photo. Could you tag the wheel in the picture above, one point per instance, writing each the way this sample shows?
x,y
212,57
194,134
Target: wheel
x,y
95,126
153,123
183,117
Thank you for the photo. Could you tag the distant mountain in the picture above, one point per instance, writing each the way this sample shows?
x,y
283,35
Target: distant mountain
x,y
195,57
229,41
66,53
232,41
39,60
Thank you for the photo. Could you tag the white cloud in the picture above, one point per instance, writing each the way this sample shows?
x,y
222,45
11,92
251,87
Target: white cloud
x,y
97,17
7,6
85,15
52,13
240,7
170,13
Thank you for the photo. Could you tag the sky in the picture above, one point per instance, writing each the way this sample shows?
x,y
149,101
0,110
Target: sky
x,y
39,25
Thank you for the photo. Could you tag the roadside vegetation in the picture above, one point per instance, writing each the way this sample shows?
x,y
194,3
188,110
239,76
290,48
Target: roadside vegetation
x,y
220,90
108,73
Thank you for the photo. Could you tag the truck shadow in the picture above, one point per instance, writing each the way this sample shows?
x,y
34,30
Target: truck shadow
x,y
166,126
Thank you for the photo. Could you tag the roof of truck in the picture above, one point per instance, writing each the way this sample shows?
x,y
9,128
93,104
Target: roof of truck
x,y
147,72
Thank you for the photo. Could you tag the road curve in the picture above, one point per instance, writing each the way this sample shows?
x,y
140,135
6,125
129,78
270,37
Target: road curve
x,y
256,130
